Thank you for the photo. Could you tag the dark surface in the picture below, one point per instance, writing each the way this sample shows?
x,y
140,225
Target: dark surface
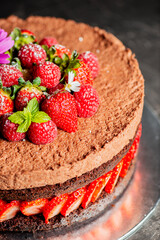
x,y
136,23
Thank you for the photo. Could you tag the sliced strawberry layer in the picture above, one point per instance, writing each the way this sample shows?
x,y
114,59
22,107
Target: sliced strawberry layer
x,y
114,178
131,153
9,211
102,181
33,207
74,201
67,203
54,207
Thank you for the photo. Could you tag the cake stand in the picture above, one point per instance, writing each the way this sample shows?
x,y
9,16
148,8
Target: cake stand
x,y
137,203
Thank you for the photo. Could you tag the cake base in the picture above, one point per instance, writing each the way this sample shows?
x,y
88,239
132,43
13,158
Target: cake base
x,y
77,219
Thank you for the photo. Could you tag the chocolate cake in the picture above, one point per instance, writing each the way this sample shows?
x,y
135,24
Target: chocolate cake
x,y
74,160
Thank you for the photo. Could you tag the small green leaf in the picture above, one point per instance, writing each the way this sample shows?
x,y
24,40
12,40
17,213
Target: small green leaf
x,y
52,50
16,63
76,64
33,106
74,55
15,89
21,81
15,33
1,84
40,117
65,57
45,47
37,81
17,117
42,88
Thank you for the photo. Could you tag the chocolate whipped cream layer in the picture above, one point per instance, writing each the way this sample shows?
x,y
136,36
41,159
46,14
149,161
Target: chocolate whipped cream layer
x,y
99,139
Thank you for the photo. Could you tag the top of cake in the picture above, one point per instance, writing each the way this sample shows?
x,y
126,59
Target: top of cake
x,y
120,86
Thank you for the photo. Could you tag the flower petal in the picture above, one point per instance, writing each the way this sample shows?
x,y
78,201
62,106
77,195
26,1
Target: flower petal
x,y
3,58
70,77
3,34
6,44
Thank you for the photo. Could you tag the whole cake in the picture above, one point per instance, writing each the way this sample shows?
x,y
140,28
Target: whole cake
x,y
43,185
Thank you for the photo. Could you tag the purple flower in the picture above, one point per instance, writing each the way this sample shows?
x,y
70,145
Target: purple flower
x,y
5,44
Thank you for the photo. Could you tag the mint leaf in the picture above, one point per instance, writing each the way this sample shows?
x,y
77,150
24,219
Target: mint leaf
x,y
40,117
33,106
23,127
17,117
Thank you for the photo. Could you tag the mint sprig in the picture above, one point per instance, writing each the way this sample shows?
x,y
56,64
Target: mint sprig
x,y
29,114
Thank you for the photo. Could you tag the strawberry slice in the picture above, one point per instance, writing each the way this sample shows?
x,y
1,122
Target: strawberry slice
x,y
89,193
131,153
9,210
102,181
114,177
33,207
95,188
74,201
2,204
54,206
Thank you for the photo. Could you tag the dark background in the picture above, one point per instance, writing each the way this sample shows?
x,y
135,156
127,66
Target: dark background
x,y
135,22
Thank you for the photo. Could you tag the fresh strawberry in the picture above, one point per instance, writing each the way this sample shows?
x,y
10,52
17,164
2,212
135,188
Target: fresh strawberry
x,y
91,62
49,73
61,107
42,133
49,41
33,207
56,89
102,181
131,153
9,129
114,178
54,206
9,211
25,95
74,201
9,75
87,101
2,204
60,50
6,103
31,54
83,74
26,32
28,91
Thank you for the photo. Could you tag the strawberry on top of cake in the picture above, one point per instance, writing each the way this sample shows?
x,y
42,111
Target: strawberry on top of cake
x,y
58,91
